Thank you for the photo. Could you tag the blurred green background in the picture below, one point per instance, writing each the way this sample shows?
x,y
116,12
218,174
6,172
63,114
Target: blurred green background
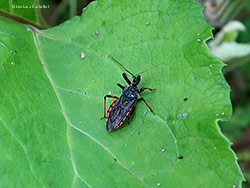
x,y
231,43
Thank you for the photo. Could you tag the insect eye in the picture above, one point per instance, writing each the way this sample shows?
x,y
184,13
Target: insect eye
x,y
132,95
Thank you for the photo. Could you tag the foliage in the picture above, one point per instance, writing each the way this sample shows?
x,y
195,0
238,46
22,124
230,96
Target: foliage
x,y
52,100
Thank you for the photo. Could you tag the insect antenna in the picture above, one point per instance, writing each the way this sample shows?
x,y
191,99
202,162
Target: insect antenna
x,y
122,66
147,69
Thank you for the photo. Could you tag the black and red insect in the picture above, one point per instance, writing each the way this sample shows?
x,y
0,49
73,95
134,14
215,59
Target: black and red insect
x,y
122,108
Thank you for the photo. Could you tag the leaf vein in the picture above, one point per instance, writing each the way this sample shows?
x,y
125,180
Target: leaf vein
x,y
23,147
55,87
108,150
37,43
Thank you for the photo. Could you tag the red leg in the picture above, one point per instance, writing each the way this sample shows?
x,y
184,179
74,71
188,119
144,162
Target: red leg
x,y
143,88
142,99
109,96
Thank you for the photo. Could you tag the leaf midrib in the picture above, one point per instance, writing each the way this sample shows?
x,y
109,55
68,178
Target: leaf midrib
x,y
69,124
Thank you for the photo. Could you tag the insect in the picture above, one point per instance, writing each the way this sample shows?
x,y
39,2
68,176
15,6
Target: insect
x,y
123,107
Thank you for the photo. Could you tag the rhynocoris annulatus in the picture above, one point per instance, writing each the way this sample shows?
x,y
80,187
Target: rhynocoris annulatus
x,y
122,108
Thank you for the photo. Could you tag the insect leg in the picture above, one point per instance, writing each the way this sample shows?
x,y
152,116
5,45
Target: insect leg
x,y
121,85
143,88
127,78
109,96
142,99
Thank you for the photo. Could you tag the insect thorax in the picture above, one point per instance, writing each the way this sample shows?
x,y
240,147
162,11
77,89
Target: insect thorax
x,y
130,93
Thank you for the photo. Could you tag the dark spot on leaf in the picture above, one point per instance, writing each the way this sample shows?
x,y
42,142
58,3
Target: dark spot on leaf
x,y
15,51
180,157
139,133
115,159
185,99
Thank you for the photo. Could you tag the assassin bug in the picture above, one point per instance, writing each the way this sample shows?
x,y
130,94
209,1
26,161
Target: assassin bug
x,y
122,108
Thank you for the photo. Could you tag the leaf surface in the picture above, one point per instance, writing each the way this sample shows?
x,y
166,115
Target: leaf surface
x,y
52,100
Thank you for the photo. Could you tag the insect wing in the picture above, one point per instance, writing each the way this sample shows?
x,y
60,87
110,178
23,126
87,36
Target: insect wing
x,y
117,114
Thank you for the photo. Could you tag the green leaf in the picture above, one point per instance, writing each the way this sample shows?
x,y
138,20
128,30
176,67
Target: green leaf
x,y
52,100
27,10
